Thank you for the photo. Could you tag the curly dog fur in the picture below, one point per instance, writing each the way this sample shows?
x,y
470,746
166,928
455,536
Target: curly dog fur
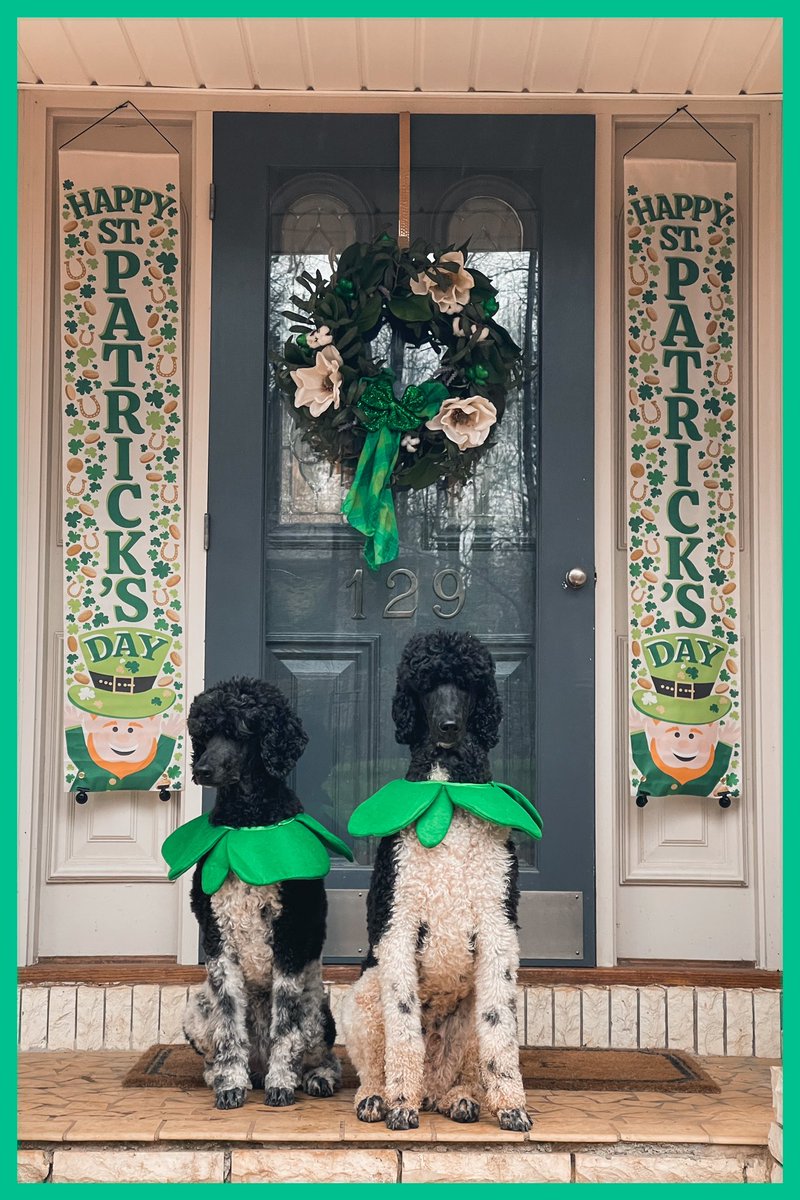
x,y
432,1022
262,1018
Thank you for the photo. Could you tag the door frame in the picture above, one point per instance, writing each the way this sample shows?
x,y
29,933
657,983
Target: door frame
x,y
40,107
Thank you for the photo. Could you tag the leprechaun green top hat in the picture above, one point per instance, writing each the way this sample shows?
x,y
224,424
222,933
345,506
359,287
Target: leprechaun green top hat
x,y
123,664
683,669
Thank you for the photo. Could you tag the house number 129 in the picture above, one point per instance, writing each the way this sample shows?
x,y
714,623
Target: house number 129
x,y
448,585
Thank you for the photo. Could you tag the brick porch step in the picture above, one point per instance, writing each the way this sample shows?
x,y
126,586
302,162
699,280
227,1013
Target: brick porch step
x,y
78,1124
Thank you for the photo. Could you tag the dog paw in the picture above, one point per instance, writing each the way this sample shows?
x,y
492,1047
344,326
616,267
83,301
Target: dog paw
x,y
371,1109
464,1110
514,1119
230,1097
428,1104
402,1118
279,1097
318,1085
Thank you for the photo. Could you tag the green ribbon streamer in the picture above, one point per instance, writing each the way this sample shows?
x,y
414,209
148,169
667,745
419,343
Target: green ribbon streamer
x,y
369,505
429,805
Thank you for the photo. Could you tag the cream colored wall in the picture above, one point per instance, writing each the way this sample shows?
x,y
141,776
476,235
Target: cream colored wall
x,y
630,916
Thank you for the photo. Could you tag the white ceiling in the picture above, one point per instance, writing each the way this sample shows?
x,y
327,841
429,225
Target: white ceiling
x,y
672,56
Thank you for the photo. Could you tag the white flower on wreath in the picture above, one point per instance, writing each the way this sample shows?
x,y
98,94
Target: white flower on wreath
x,y
450,299
320,337
465,421
459,330
320,386
410,443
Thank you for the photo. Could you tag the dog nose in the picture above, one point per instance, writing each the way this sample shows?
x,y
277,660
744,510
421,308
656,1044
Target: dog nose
x,y
202,775
448,726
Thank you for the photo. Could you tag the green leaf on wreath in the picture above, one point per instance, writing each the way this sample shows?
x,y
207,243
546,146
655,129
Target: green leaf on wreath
x,y
410,308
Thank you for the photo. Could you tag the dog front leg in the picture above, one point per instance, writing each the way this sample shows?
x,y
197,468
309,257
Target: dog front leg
x,y
322,1071
405,1043
286,1040
497,959
228,1074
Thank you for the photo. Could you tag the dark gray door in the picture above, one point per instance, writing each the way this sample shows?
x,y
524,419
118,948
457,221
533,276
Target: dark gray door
x,y
288,594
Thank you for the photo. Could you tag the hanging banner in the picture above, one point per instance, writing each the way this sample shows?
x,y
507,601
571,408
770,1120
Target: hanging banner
x,y
122,446
682,477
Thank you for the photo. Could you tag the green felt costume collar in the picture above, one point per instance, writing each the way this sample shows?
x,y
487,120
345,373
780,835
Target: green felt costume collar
x,y
431,804
298,848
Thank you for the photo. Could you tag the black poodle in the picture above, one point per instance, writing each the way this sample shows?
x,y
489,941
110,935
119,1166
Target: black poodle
x,y
432,1021
262,1018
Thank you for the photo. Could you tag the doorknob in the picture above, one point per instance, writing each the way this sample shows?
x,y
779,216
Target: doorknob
x,y
575,578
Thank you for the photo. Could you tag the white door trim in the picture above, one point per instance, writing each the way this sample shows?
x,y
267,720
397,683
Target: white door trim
x,y
39,106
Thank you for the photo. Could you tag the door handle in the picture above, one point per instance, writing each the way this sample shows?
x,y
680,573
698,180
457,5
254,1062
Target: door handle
x,y
575,578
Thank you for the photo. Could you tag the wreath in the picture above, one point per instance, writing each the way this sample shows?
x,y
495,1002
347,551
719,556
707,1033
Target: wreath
x,y
346,402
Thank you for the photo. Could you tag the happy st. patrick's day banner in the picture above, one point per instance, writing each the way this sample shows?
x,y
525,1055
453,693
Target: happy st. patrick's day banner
x,y
684,586
121,331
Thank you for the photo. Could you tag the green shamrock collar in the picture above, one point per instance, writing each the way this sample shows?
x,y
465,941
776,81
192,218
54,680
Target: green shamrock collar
x,y
297,848
431,805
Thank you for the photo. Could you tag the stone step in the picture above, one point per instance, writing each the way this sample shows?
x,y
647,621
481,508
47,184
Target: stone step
x,y
78,1124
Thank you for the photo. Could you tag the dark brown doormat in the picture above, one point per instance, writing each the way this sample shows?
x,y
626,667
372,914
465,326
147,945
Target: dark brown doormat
x,y
559,1069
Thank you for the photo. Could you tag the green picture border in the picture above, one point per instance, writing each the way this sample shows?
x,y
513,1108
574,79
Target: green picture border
x,y
9,601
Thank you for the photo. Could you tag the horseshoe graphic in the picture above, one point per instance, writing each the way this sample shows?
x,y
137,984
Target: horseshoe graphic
x,y
156,440
83,335
725,501
652,541
656,410
78,262
718,604
713,453
172,489
725,559
157,299
157,596
83,401
638,267
168,373
645,340
637,595
91,541
723,366
71,489
74,588
634,493
717,307
169,557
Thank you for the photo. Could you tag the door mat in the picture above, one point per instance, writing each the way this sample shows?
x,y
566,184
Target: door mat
x,y
559,1069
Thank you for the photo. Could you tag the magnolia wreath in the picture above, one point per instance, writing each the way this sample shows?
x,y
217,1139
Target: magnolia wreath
x,y
346,402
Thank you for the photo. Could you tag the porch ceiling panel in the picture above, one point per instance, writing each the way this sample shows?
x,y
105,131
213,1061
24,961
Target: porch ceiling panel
x,y
658,56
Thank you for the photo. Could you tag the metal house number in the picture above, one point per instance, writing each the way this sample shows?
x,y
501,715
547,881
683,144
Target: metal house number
x,y
448,585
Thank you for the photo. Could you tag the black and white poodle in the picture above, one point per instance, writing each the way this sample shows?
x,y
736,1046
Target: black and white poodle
x,y
262,1018
432,1021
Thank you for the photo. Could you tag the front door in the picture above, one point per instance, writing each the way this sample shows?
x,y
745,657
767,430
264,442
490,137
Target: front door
x,y
289,596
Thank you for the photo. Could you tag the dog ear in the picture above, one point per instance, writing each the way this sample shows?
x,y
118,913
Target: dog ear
x,y
484,722
282,743
405,714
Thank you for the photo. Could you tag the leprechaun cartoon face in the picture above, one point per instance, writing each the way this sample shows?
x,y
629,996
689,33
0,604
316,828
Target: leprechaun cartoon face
x,y
121,746
682,751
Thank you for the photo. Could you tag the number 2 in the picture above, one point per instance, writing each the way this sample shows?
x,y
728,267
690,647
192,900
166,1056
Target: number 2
x,y
410,593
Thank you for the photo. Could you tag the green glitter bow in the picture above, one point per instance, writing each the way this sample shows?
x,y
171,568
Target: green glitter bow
x,y
430,805
369,505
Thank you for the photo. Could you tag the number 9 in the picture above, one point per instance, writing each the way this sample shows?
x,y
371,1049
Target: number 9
x,y
457,595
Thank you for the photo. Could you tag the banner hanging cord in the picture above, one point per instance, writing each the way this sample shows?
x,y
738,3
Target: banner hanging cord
x,y
404,181
125,104
684,108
